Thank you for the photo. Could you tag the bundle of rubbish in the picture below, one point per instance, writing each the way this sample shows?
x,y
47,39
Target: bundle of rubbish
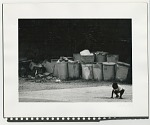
x,y
40,72
66,59
24,67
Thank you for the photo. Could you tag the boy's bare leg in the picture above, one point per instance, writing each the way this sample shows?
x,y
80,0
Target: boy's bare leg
x,y
121,93
112,93
116,94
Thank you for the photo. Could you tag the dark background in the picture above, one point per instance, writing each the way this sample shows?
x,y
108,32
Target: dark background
x,y
51,38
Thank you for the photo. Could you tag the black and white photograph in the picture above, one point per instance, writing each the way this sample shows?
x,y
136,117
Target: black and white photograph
x,y
75,60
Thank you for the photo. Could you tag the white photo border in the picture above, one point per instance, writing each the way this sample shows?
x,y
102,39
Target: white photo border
x,y
136,11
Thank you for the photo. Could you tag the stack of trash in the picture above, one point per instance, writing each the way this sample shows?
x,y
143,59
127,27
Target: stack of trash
x,y
38,72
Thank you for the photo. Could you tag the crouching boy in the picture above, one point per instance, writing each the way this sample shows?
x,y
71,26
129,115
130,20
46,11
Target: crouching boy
x,y
117,89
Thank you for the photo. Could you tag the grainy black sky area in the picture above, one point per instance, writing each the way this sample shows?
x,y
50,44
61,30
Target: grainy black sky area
x,y
52,38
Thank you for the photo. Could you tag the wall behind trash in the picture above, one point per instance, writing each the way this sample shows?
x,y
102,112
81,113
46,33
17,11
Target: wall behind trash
x,y
51,38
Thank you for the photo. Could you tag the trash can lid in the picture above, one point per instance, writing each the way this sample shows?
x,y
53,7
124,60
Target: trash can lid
x,y
97,65
123,63
109,63
83,64
88,55
54,59
61,62
70,61
109,55
101,52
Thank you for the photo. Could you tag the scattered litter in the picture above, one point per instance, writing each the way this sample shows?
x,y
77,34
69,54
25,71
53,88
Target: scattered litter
x,y
46,73
49,77
54,78
31,77
57,80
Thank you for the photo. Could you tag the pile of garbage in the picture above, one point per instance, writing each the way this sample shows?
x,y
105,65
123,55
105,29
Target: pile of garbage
x,y
40,72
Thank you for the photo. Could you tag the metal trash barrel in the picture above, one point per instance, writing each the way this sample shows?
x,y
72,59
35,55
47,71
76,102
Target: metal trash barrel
x,y
87,58
101,56
112,58
54,65
122,70
55,71
62,68
87,71
108,71
98,71
77,56
74,70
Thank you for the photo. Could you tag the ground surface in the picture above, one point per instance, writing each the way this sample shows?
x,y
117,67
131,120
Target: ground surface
x,y
70,91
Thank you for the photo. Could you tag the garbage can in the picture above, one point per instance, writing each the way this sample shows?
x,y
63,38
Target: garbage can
x,y
87,71
98,71
122,70
87,59
112,58
108,71
54,65
55,71
77,56
101,56
62,68
74,70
